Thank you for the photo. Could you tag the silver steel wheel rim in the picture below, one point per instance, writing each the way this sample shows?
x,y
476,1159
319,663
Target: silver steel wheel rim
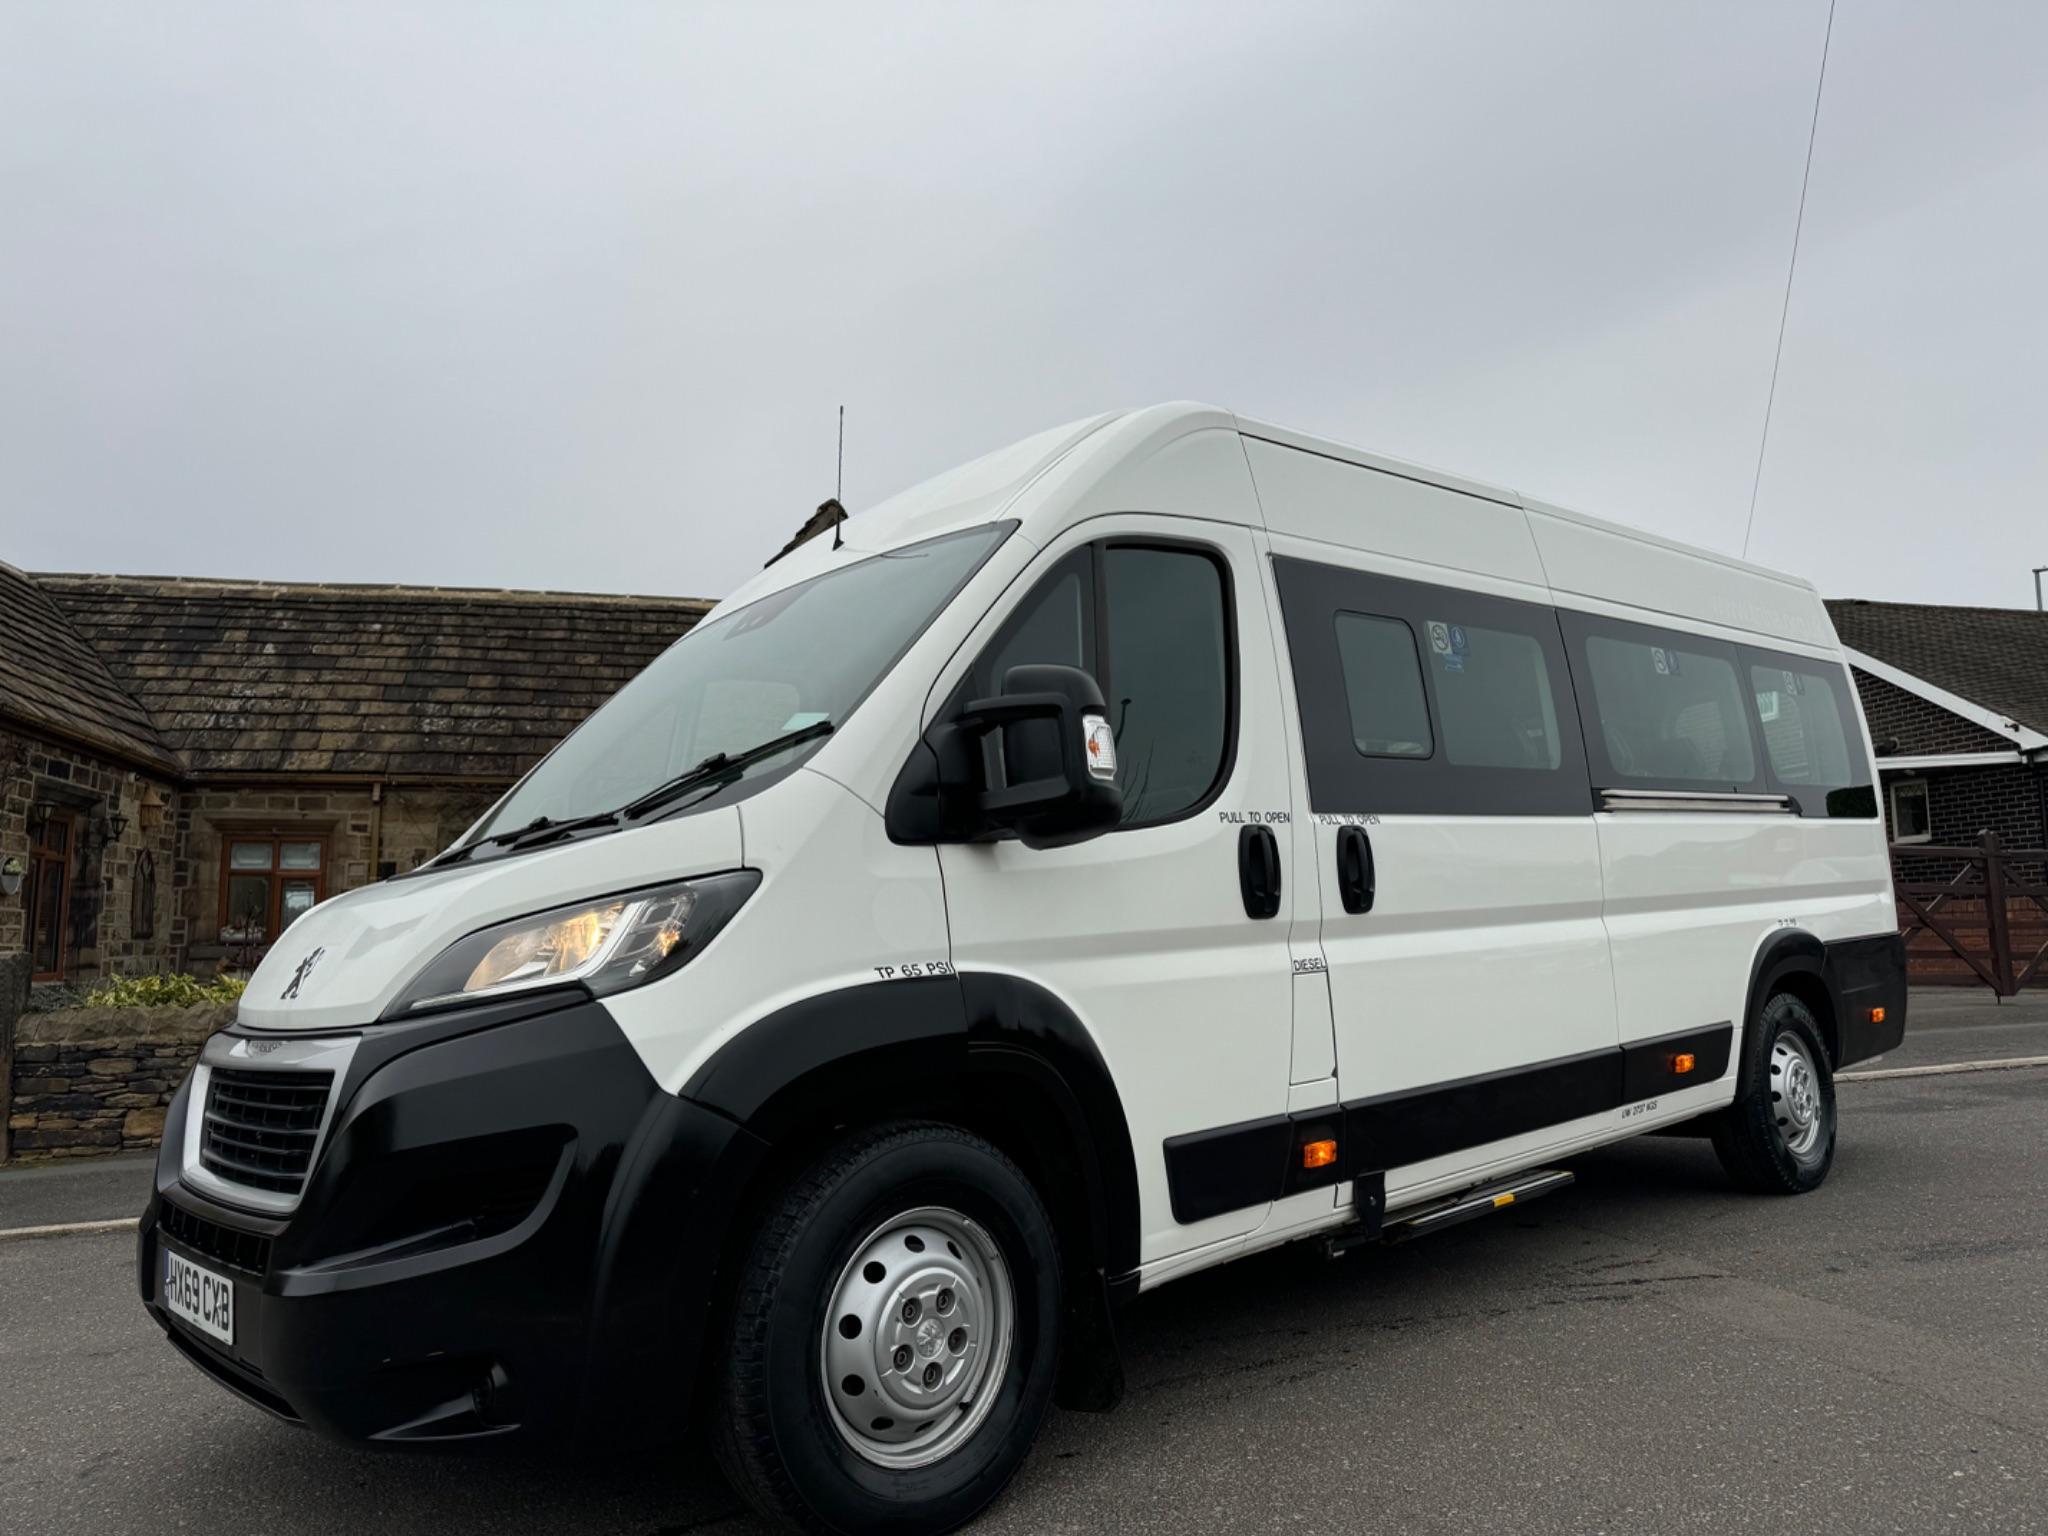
x,y
1796,1101
917,1338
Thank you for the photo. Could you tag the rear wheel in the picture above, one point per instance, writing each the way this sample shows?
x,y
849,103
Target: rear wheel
x,y
1779,1136
894,1336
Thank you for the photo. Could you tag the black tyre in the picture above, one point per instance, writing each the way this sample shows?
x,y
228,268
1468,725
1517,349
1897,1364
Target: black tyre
x,y
1778,1138
893,1338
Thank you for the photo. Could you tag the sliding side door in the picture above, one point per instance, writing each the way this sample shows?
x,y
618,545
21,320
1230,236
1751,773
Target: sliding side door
x,y
1459,868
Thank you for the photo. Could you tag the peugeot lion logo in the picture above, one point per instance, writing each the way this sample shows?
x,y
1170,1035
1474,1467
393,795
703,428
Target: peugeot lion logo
x,y
305,969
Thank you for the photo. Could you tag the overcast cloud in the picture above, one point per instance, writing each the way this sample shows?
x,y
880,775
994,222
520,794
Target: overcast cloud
x,y
566,296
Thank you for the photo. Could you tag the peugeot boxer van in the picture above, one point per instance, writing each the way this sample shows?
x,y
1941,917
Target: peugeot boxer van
x,y
1166,838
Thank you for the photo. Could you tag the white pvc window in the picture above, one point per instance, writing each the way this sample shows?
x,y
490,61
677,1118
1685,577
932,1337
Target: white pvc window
x,y
1910,821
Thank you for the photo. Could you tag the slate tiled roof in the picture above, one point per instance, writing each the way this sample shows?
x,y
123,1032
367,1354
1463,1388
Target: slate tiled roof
x,y
429,682
52,680
1994,657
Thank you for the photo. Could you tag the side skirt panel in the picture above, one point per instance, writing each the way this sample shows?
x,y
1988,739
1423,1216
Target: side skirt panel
x,y
1236,1166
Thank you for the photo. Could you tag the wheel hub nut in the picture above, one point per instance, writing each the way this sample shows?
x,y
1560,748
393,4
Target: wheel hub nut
x,y
902,1357
957,1340
945,1301
931,1375
910,1310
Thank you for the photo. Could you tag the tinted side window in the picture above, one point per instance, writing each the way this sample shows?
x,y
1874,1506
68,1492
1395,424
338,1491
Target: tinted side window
x,y
1477,728
1670,712
1152,625
1812,746
1493,696
1661,709
1383,686
1054,624
1168,677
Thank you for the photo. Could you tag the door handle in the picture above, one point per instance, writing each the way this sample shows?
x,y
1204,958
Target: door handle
x,y
1258,871
1357,880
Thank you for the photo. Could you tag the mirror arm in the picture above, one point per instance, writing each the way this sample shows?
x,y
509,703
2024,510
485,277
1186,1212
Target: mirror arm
x,y
984,715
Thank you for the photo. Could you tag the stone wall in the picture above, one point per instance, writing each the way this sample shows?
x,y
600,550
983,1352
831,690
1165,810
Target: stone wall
x,y
366,833
122,916
99,1079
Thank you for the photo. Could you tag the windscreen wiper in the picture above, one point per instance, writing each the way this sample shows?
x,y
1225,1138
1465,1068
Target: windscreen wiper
x,y
541,831
533,834
717,766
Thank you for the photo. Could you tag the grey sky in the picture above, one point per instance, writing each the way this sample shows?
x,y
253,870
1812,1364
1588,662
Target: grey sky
x,y
567,295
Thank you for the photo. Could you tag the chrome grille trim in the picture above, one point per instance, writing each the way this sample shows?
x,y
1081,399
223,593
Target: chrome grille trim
x,y
248,1056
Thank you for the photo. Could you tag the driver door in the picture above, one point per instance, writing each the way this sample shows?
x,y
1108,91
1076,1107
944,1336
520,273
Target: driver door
x,y
1146,932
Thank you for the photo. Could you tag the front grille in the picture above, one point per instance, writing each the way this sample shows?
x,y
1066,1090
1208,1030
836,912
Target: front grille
x,y
261,1127
247,1251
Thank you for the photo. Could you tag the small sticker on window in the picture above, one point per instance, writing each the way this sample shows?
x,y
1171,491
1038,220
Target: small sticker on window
x,y
802,718
1665,662
1440,637
1101,745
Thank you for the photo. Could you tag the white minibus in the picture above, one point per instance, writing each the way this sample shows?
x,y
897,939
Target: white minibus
x,y
1166,838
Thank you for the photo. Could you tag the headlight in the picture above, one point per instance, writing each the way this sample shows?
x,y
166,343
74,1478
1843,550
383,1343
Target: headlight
x,y
608,945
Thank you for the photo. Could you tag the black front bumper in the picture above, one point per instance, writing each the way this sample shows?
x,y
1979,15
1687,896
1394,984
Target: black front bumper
x,y
509,1225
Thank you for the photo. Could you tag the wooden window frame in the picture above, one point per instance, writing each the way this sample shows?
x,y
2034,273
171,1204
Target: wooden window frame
x,y
275,873
38,857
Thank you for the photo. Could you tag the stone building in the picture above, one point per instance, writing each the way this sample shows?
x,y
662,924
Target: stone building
x,y
1957,700
186,765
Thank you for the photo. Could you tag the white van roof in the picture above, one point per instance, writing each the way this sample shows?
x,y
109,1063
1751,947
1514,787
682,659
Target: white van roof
x,y
1198,460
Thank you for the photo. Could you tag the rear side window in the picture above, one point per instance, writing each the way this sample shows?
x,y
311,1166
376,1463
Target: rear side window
x,y
1421,698
1152,625
1670,711
1383,686
1812,745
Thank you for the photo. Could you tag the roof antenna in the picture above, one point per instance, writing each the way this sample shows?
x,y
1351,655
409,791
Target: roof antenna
x,y
839,480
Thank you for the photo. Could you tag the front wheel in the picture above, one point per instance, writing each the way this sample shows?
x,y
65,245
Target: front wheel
x,y
1778,1138
894,1336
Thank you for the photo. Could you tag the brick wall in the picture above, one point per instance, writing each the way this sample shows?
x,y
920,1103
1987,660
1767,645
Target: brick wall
x,y
1917,726
99,1079
1962,802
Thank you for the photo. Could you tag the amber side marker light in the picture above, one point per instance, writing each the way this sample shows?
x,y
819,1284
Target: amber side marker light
x,y
1683,1063
1877,1015
1318,1154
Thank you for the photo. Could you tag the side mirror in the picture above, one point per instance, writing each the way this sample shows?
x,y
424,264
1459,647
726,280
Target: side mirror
x,y
1058,756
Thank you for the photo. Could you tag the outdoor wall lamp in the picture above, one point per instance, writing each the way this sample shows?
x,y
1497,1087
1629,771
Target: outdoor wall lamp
x,y
38,817
110,828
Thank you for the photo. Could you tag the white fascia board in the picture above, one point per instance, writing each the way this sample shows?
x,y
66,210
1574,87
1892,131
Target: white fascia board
x,y
2024,739
1949,760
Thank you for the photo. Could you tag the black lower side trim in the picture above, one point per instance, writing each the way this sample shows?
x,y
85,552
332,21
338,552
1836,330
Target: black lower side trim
x,y
1650,1067
1393,1129
1210,1173
1865,975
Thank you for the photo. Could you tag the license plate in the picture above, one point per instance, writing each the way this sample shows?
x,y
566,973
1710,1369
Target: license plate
x,y
199,1296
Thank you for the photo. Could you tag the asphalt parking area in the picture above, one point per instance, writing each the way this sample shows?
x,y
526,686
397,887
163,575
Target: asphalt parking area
x,y
1645,1352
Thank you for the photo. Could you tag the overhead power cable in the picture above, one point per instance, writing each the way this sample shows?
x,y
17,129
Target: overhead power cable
x,y
1791,267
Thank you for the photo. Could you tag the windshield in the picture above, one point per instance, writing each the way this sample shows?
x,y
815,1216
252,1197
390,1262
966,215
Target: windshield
x,y
806,654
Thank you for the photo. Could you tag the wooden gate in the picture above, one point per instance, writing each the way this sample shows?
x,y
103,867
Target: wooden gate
x,y
1976,914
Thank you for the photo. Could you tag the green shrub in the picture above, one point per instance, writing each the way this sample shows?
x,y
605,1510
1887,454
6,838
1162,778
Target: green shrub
x,y
178,991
